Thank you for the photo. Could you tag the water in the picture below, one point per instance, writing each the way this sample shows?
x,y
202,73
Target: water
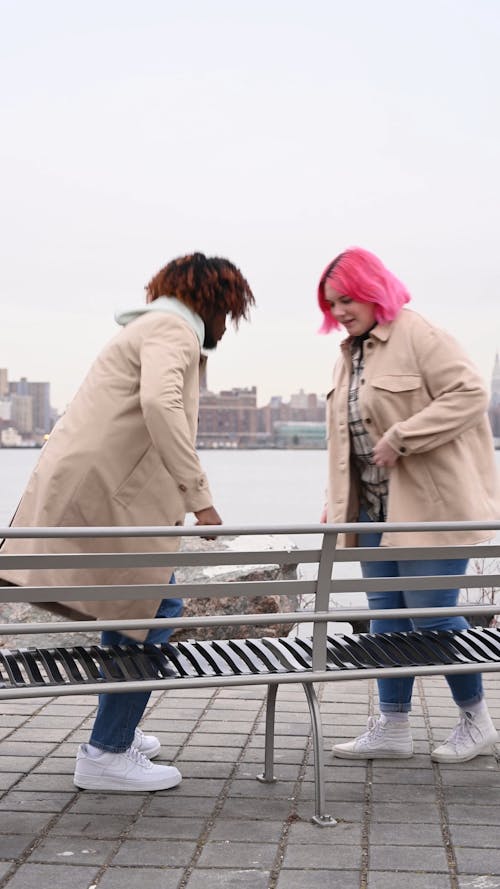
x,y
249,487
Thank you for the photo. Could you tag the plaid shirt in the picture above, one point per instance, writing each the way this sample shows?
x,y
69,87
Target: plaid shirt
x,y
374,480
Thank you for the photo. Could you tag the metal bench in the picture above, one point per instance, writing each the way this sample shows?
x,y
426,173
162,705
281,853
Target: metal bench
x,y
323,657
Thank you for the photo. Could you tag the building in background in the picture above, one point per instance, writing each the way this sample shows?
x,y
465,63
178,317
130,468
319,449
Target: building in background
x,y
494,409
25,411
232,419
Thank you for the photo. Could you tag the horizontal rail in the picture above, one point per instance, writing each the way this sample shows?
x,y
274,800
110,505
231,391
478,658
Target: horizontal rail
x,y
244,530
253,557
246,588
336,615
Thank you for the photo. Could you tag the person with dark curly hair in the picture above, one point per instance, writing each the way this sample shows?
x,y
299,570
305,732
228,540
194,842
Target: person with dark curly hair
x,y
124,454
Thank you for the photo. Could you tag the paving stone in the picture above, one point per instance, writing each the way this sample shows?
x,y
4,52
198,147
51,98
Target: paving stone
x,y
412,834
473,813
483,792
87,802
159,853
319,879
399,793
26,748
71,849
320,856
8,779
5,866
166,802
13,845
407,880
212,739
97,826
194,752
336,792
172,827
140,878
258,790
473,836
55,765
341,832
410,776
34,802
255,831
428,858
398,812
478,881
35,735
229,879
36,782
248,809
29,823
40,876
476,861
235,854
18,763
348,812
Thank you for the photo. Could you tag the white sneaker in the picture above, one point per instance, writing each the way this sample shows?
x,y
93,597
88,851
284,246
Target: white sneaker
x,y
147,744
472,735
130,771
383,740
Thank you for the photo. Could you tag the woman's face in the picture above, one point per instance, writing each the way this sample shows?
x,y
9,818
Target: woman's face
x,y
357,317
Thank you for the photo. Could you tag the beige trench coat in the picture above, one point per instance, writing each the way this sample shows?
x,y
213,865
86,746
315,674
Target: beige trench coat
x,y
424,396
122,454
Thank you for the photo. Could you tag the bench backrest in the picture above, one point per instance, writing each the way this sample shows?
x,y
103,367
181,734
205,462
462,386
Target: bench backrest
x,y
322,596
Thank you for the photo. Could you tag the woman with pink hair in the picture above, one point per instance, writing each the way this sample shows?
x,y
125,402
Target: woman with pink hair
x,y
409,441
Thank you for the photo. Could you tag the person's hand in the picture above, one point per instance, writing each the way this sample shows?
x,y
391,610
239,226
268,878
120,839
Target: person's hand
x,y
323,517
384,455
208,516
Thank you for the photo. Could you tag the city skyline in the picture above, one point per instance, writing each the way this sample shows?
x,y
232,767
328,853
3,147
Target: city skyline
x,y
275,134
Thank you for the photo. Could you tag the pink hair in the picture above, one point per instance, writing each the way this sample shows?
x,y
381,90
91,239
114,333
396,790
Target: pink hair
x,y
359,274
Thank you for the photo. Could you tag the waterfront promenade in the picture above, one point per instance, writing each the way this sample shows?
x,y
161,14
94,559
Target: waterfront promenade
x,y
406,824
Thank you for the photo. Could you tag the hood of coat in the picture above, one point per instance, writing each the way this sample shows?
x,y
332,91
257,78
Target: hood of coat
x,y
171,305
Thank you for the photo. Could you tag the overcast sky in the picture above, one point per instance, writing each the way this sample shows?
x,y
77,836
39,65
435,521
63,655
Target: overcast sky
x,y
273,132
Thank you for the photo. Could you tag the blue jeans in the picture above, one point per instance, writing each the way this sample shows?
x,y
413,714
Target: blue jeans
x,y
118,715
395,694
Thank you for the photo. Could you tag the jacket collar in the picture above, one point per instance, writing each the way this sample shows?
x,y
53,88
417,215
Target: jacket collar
x,y
172,306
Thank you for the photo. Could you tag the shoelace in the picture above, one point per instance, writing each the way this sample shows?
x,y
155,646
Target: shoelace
x,y
465,730
374,728
138,758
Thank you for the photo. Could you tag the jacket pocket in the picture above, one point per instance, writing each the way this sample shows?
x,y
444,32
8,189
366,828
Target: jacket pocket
x,y
398,382
143,472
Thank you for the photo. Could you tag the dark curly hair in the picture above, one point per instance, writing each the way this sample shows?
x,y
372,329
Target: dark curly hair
x,y
205,284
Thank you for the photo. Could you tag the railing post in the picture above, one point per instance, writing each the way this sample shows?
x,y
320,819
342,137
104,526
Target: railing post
x,y
322,598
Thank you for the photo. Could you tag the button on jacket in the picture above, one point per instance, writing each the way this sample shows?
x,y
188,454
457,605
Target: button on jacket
x,y
426,398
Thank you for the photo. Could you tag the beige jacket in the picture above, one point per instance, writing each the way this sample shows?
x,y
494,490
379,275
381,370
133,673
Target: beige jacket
x,y
422,393
122,454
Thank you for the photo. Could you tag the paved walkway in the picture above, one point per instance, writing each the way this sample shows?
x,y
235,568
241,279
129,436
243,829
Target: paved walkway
x,y
401,825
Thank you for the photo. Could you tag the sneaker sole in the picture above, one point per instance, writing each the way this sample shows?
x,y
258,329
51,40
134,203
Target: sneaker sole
x,y
84,783
478,751
382,754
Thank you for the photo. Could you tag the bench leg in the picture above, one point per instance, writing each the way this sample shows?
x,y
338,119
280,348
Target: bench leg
x,y
320,818
268,775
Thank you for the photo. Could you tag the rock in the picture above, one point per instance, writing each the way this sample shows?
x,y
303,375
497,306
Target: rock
x,y
228,605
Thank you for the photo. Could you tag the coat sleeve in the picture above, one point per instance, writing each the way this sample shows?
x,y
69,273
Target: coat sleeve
x,y
459,396
168,350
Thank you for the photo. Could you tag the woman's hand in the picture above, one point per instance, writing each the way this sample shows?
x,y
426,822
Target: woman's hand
x,y
324,517
384,455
